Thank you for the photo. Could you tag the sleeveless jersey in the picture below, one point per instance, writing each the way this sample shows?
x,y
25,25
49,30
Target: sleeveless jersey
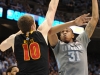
x,y
32,55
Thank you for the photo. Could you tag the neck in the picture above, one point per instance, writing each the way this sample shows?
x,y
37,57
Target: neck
x,y
69,41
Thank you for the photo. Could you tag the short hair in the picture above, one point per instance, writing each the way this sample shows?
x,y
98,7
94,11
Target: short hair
x,y
9,69
25,22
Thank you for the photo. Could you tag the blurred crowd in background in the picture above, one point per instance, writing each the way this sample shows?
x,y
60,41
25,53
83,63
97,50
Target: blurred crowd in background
x,y
67,9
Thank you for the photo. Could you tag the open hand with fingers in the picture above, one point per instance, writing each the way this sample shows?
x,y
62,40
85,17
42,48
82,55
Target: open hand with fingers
x,y
82,20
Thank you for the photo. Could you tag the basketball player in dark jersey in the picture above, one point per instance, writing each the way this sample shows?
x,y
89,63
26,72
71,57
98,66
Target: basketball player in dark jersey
x,y
31,50
9,42
71,55
31,47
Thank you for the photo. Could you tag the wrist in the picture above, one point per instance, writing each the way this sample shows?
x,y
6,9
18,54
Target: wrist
x,y
74,23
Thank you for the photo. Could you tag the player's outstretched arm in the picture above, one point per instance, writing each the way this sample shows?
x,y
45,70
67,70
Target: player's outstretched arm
x,y
47,24
94,19
9,42
53,39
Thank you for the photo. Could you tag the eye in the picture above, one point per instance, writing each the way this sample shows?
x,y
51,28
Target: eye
x,y
62,31
67,31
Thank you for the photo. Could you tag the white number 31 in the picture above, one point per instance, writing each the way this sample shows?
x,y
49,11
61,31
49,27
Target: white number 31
x,y
73,56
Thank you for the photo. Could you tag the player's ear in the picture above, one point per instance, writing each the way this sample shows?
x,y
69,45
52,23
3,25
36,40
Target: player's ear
x,y
33,27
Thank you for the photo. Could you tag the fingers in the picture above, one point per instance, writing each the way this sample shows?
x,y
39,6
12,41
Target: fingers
x,y
85,15
83,19
88,19
85,23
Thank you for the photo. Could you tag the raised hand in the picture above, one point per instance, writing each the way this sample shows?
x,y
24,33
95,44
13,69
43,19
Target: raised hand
x,y
82,20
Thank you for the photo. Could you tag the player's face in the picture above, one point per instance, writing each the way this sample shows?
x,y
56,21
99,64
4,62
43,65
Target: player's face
x,y
14,70
67,35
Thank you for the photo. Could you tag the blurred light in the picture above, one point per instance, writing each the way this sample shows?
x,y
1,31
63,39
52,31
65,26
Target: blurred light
x,y
55,23
16,15
1,11
40,20
36,17
10,14
7,26
61,22
22,13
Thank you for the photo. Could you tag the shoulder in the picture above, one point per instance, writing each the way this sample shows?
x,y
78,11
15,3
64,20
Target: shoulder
x,y
82,36
59,43
18,35
37,33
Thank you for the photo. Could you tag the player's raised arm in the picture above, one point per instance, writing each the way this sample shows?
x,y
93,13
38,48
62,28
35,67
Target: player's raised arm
x,y
93,22
47,24
78,21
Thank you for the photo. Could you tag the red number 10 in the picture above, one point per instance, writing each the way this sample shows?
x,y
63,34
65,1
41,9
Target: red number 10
x,y
33,51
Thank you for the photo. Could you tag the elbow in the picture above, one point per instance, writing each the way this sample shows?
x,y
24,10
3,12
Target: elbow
x,y
51,32
2,50
95,18
3,47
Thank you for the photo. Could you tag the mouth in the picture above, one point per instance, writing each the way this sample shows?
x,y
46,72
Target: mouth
x,y
65,36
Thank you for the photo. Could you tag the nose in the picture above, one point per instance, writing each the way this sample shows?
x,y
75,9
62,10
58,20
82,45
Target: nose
x,y
65,32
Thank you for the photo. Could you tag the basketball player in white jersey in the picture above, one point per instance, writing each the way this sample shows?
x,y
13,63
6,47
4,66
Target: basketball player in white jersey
x,y
71,55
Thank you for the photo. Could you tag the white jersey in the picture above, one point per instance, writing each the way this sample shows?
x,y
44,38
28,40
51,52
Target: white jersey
x,y
72,57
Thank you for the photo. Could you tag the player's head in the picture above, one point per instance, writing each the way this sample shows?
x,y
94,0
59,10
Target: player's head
x,y
26,23
67,35
12,70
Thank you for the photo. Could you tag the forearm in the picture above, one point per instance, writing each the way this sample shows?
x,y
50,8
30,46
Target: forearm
x,y
53,4
93,22
95,11
51,11
59,28
53,39
49,18
4,46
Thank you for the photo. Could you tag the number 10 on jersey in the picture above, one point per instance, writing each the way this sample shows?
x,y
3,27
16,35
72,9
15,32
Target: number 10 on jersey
x,y
31,51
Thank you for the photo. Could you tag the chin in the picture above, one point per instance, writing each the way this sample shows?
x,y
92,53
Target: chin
x,y
66,41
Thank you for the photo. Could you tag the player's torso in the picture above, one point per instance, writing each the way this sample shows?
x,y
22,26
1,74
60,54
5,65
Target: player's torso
x,y
32,57
72,58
